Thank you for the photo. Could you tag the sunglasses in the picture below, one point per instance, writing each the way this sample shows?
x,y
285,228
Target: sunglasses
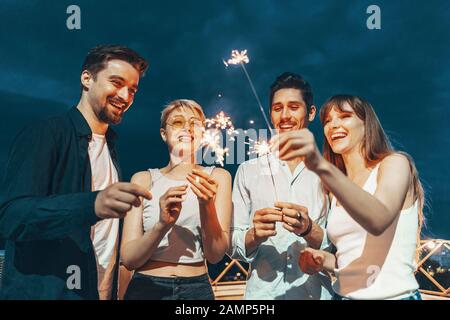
x,y
179,123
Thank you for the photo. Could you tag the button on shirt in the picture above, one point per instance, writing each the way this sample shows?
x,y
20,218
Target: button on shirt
x,y
274,271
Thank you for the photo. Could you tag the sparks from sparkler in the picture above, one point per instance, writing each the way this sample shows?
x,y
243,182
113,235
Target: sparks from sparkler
x,y
211,139
241,58
223,122
237,57
260,148
263,148
211,136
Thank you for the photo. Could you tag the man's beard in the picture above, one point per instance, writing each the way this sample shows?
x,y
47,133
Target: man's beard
x,y
108,117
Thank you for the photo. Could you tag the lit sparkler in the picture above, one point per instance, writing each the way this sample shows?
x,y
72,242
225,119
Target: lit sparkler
x,y
263,148
241,58
211,136
237,57
223,122
211,139
260,148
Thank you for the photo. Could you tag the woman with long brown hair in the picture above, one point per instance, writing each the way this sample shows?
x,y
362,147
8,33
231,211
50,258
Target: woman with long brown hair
x,y
377,202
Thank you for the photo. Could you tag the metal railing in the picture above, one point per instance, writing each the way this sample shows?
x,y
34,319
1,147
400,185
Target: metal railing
x,y
433,268
433,272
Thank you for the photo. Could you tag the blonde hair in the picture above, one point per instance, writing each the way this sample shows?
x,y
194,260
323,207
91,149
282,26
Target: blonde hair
x,y
181,103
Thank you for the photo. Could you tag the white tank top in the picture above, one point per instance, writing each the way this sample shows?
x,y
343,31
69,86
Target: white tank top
x,y
182,243
374,267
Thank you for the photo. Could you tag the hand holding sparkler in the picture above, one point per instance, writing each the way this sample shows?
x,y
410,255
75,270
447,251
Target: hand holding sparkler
x,y
170,205
298,143
203,185
264,227
295,218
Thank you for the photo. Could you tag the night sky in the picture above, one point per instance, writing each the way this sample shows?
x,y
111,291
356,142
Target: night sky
x,y
402,69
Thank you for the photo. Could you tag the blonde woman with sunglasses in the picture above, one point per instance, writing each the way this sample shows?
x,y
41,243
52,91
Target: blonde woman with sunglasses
x,y
168,239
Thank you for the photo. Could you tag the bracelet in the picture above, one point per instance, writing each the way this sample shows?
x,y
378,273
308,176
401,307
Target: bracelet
x,y
308,230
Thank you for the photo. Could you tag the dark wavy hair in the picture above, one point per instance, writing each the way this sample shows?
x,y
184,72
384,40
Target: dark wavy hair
x,y
98,57
289,80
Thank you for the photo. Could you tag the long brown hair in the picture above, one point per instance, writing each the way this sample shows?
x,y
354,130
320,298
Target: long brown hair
x,y
375,147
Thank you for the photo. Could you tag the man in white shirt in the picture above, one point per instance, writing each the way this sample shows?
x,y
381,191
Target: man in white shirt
x,y
109,83
279,207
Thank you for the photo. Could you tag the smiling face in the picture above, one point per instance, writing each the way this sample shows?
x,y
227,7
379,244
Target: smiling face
x,y
111,92
183,131
344,130
289,111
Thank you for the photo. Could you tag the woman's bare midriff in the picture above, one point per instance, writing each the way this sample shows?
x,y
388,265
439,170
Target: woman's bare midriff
x,y
168,269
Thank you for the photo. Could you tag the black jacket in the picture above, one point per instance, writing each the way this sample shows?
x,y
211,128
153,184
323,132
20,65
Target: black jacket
x,y
47,209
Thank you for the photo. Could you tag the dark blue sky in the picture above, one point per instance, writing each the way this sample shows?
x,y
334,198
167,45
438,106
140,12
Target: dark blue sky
x,y
402,69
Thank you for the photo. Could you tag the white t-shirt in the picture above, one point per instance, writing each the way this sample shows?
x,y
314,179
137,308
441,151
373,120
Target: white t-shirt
x,y
374,267
105,233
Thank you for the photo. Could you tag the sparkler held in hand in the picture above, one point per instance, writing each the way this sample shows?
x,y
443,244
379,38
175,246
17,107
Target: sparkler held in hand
x,y
261,148
241,58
